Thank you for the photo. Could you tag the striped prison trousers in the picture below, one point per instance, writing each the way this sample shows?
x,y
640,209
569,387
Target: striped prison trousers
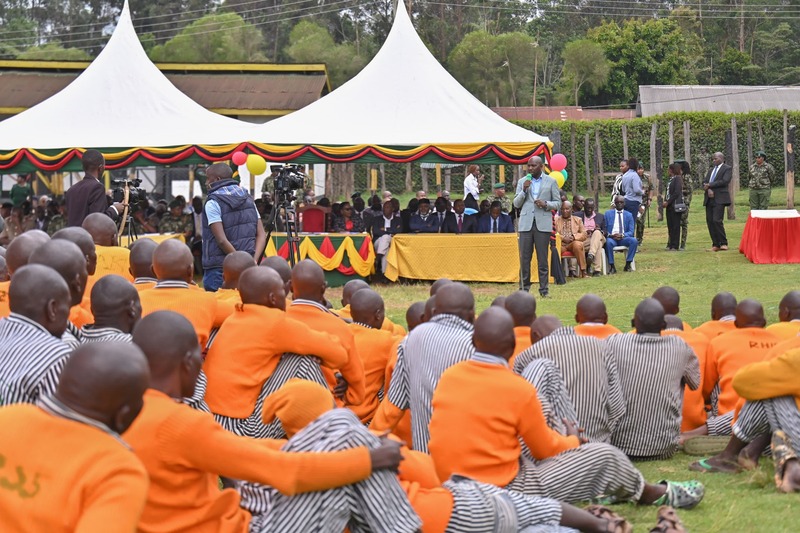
x,y
552,392
720,426
765,416
376,504
290,366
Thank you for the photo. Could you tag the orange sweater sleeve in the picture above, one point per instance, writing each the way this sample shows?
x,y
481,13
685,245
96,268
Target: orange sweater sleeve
x,y
711,372
224,309
296,337
353,372
770,379
238,457
115,504
387,416
542,441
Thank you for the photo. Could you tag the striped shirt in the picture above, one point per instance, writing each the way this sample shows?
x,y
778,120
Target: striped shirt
x,y
430,349
653,370
72,336
31,360
91,333
590,373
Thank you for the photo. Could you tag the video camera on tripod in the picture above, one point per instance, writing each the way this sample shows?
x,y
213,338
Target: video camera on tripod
x,y
289,178
135,194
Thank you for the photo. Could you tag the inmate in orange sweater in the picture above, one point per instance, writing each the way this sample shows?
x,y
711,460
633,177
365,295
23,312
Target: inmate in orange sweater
x,y
785,330
59,475
247,349
387,325
374,346
184,452
228,295
80,316
317,318
694,405
729,352
480,410
523,340
598,331
402,426
198,306
715,328
771,379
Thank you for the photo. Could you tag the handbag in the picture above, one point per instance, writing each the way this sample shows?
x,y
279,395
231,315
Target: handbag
x,y
679,206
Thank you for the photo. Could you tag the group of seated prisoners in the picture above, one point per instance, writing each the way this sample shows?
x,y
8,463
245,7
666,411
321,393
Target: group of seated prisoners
x,y
129,395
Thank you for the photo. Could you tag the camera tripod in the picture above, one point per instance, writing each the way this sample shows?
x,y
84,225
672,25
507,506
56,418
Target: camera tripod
x,y
285,204
126,221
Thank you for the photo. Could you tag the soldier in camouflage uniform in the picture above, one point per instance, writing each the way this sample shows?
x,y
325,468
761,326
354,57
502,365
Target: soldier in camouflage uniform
x,y
647,187
499,195
761,176
57,219
687,199
176,221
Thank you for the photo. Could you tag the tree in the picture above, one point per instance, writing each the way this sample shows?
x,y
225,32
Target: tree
x,y
735,68
224,38
585,65
53,52
311,43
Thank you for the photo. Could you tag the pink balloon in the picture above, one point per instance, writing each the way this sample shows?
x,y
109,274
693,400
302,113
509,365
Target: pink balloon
x,y
558,162
239,158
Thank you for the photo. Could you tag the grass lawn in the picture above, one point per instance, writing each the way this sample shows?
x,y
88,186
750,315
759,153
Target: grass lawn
x,y
740,503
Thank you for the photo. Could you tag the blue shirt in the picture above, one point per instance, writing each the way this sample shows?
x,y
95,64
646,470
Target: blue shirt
x,y
632,185
536,186
214,213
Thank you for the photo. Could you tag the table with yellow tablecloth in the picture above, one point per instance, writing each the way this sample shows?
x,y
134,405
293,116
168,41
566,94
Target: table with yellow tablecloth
x,y
157,237
469,257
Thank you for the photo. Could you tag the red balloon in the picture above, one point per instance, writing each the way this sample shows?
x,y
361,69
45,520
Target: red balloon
x,y
239,158
558,162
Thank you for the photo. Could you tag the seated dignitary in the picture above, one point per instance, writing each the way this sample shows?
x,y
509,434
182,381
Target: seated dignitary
x,y
441,211
653,370
32,353
573,235
723,316
423,221
496,221
242,368
73,471
115,307
590,374
460,222
595,225
141,264
185,451
383,228
620,228
499,408
592,318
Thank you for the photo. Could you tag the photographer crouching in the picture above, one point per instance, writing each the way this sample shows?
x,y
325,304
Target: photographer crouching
x,y
231,222
89,195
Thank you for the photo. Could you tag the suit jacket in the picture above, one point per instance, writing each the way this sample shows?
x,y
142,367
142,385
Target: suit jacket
x,y
578,231
469,224
722,195
504,224
430,225
84,198
377,230
524,201
627,221
448,215
674,190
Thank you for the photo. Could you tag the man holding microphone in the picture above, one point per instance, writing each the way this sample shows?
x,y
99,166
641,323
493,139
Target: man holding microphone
x,y
537,197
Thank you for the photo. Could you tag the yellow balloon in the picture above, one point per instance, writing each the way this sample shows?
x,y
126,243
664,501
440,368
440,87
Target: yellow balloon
x,y
256,164
558,176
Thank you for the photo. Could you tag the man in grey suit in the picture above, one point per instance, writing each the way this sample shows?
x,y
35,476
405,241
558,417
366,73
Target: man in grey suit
x,y
537,197
716,198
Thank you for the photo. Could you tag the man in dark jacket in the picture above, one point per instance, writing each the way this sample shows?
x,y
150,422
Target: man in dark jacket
x,y
88,195
231,223
716,199
460,223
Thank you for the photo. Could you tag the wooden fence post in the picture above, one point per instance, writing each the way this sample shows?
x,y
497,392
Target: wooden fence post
x,y
658,173
671,141
653,157
572,159
587,165
382,168
555,137
424,175
599,156
790,167
760,135
785,137
625,141
749,145
687,143
730,148
409,178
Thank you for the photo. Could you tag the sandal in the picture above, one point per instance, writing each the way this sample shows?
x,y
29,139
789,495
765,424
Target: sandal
x,y
668,521
616,524
704,466
704,445
682,494
782,452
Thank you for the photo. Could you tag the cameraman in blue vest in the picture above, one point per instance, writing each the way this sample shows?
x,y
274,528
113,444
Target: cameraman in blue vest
x,y
231,223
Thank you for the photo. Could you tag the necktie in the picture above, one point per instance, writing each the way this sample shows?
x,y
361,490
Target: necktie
x,y
621,225
494,226
713,174
460,223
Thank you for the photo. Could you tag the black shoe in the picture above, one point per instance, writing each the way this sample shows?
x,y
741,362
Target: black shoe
x,y
544,294
682,248
590,259
612,269
590,269
628,267
595,274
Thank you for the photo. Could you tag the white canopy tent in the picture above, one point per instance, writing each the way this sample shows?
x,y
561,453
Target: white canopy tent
x,y
401,107
123,105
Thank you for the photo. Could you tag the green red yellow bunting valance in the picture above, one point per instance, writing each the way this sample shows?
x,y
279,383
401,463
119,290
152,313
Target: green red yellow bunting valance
x,y
362,259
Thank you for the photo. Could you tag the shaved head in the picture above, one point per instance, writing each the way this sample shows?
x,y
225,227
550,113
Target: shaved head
x,y
750,314
500,301
21,248
67,259
262,286
591,308
494,333
84,241
669,298
430,309
40,293
232,267
723,304
172,260
673,322
544,326
219,171
170,345
415,315
522,307
281,266
102,229
115,303
352,287
308,281
141,259
366,307
455,299
649,316
438,284
789,308
105,381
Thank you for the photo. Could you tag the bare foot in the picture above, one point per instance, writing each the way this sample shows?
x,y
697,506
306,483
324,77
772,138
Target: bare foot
x,y
718,463
791,477
748,457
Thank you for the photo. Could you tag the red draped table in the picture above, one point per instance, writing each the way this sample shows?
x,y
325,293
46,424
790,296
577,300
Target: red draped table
x,y
772,236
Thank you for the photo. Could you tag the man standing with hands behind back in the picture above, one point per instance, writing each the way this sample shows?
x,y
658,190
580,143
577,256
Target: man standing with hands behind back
x,y
537,197
716,198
